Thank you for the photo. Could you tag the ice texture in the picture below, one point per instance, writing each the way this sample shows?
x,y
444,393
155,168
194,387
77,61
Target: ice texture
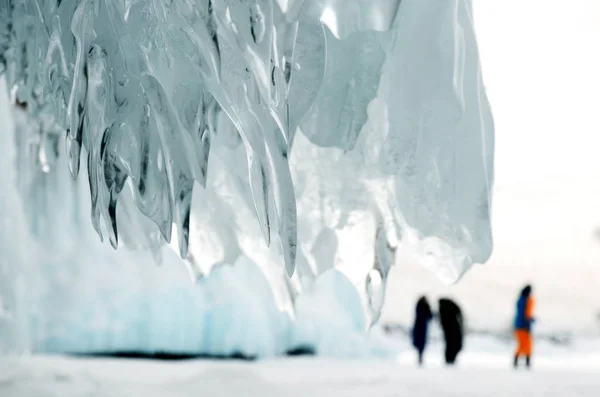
x,y
309,133
177,317
66,292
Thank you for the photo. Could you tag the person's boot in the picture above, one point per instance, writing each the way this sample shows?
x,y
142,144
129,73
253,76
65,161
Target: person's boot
x,y
516,361
528,361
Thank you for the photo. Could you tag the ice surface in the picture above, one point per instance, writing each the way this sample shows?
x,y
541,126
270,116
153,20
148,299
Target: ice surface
x,y
74,294
316,327
13,225
232,311
336,130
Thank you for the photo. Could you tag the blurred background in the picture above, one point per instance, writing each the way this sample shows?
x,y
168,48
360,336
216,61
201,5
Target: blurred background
x,y
541,68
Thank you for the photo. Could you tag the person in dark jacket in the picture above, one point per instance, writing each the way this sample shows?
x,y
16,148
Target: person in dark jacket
x,y
523,321
451,320
423,316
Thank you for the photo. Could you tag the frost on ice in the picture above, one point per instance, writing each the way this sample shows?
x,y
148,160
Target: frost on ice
x,y
334,129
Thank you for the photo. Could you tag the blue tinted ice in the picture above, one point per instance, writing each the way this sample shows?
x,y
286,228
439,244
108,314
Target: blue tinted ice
x,y
207,123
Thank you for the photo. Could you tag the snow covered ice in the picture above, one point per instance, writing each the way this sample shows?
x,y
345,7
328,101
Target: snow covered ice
x,y
484,375
298,136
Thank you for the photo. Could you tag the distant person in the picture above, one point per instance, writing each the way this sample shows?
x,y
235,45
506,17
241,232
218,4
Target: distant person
x,y
451,320
523,321
423,316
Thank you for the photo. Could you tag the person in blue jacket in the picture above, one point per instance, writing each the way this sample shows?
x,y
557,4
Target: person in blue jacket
x,y
523,321
423,316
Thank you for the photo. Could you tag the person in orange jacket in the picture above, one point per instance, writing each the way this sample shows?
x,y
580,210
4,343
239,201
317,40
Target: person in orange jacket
x,y
523,322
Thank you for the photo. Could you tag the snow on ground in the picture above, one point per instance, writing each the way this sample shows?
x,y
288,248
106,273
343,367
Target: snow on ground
x,y
477,376
484,370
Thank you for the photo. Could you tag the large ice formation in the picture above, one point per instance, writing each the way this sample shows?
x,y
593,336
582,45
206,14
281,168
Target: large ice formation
x,y
301,134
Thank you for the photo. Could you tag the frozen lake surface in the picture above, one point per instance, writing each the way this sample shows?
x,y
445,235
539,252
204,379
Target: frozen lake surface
x,y
556,372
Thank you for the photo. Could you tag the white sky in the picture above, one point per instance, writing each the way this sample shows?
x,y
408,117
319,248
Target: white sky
x,y
541,66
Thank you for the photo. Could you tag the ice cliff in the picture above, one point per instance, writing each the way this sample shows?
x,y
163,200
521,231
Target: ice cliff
x,y
301,134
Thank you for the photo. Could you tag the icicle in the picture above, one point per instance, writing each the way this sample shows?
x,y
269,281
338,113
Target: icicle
x,y
150,89
76,107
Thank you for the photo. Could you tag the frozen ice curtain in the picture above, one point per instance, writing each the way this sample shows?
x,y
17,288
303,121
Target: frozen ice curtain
x,y
302,134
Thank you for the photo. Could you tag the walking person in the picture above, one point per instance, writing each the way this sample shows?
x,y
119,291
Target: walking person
x,y
523,321
423,316
451,320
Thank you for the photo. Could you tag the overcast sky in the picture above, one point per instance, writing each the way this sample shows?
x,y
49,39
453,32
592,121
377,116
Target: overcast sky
x,y
541,65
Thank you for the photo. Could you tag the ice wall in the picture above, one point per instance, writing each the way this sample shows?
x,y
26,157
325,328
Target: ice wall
x,y
347,128
13,228
66,292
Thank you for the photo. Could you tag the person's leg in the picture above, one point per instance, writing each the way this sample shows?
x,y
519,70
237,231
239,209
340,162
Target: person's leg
x,y
520,337
456,347
420,357
517,351
450,355
527,348
453,354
